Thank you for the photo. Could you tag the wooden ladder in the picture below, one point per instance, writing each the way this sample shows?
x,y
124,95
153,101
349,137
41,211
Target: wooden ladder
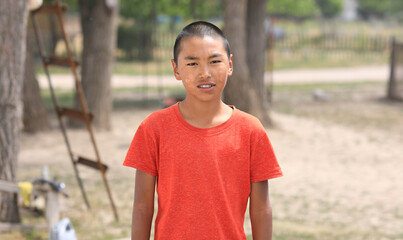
x,y
83,115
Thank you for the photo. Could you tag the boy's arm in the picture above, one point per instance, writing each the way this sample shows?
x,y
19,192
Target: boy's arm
x,y
143,206
260,211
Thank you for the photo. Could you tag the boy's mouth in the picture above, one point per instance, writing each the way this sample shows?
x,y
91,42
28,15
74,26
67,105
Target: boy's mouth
x,y
206,86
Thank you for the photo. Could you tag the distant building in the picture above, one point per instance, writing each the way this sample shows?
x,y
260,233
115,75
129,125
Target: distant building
x,y
349,12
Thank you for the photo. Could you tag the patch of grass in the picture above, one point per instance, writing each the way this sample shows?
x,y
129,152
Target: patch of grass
x,y
172,91
35,234
135,103
143,68
132,97
284,60
64,97
13,236
325,86
354,104
52,70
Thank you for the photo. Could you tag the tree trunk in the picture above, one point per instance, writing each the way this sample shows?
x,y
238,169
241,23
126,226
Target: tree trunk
x,y
237,90
256,44
13,21
98,24
240,90
35,115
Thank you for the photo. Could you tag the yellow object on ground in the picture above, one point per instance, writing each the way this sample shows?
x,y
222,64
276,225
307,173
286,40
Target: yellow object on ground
x,y
25,191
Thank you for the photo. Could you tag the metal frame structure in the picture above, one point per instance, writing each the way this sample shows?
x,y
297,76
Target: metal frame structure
x,y
83,115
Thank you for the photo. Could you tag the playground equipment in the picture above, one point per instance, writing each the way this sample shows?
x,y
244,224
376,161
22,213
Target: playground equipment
x,y
57,8
30,192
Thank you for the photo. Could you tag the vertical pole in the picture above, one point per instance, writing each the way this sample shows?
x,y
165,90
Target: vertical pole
x,y
270,60
392,80
52,209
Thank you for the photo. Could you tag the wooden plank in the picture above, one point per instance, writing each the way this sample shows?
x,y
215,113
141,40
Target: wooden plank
x,y
90,163
60,61
9,187
74,114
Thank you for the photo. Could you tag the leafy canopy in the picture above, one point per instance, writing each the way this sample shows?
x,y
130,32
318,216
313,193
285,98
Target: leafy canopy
x,y
200,9
292,8
330,8
381,9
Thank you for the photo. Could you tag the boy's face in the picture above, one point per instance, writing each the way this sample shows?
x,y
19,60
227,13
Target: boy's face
x,y
203,67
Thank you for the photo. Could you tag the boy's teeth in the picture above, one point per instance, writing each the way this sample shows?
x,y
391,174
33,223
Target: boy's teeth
x,y
205,86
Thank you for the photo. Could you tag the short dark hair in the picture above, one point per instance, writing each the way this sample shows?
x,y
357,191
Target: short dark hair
x,y
200,29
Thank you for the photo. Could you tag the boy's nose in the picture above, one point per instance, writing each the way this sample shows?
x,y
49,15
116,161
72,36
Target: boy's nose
x,y
204,72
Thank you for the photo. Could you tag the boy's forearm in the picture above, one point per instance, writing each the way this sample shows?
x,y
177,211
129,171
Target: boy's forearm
x,y
261,222
141,222
143,206
260,211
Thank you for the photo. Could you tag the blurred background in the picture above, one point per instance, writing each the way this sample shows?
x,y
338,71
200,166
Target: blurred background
x,y
331,90
306,34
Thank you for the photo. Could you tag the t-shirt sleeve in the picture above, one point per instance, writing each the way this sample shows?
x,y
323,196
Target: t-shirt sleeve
x,y
263,165
142,153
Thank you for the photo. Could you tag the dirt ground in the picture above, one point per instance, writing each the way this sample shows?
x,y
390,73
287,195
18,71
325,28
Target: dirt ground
x,y
342,161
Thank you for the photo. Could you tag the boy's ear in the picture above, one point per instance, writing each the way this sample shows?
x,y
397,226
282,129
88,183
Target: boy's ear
x,y
231,68
175,68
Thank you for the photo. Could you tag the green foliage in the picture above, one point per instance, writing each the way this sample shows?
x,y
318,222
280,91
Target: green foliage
x,y
135,36
135,42
295,9
380,9
72,5
302,9
368,8
330,8
136,31
191,9
138,9
196,9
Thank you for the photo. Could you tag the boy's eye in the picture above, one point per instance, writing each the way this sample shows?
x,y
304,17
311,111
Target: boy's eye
x,y
192,64
216,61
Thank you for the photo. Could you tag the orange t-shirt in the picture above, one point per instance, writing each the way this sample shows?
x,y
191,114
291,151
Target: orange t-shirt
x,y
204,175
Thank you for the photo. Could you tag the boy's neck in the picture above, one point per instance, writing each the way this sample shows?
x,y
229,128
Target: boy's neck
x,y
205,114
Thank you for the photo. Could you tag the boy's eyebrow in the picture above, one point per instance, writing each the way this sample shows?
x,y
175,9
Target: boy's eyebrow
x,y
211,56
191,58
215,55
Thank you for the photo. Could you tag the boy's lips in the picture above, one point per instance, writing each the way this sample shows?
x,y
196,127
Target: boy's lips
x,y
206,85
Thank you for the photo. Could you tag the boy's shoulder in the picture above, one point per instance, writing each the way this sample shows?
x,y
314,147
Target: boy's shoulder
x,y
160,116
249,121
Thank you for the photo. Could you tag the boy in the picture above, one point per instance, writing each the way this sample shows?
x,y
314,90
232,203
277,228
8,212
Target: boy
x,y
206,158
